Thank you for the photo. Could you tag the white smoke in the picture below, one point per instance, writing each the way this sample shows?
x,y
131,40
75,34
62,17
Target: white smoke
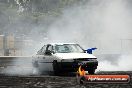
x,y
97,20
19,66
105,24
102,24
123,64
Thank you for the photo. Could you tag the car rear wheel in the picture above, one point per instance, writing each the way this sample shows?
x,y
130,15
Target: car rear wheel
x,y
36,70
56,67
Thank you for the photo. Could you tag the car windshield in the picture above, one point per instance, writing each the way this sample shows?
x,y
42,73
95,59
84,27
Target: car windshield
x,y
68,48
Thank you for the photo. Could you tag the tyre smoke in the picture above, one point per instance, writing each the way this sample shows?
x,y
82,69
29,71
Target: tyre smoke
x,y
105,24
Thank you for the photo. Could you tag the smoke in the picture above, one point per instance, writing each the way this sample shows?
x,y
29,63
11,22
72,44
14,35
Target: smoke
x,y
18,66
96,22
104,24
123,64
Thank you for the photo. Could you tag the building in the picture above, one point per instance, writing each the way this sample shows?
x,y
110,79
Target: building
x,y
11,45
1,45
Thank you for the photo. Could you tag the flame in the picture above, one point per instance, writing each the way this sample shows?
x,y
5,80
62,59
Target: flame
x,y
81,71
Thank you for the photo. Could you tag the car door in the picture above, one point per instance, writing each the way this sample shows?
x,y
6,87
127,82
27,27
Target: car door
x,y
49,58
45,60
41,58
37,59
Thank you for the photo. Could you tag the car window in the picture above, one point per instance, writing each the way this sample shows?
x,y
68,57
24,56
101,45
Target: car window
x,y
42,50
68,48
39,52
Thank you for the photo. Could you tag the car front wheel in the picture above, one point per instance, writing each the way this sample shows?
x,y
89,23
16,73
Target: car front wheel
x,y
91,71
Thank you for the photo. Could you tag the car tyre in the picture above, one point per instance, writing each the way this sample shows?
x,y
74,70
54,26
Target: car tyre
x,y
36,70
91,71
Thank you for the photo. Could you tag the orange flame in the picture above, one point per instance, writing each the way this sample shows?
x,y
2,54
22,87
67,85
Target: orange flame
x,y
81,71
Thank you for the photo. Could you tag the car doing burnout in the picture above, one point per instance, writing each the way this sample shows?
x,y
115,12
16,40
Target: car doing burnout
x,y
64,57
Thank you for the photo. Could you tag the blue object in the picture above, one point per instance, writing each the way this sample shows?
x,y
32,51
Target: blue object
x,y
90,51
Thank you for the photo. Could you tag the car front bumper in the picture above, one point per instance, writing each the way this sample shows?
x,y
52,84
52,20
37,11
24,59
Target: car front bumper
x,y
73,66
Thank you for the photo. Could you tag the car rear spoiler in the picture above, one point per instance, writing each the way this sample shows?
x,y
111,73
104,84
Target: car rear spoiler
x,y
90,50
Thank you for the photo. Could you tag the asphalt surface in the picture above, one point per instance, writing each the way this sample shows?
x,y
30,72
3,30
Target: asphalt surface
x,y
17,73
8,81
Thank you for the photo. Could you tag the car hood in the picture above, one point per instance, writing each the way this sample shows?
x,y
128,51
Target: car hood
x,y
73,55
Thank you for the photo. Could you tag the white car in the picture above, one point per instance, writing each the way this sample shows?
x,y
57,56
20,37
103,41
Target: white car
x,y
63,57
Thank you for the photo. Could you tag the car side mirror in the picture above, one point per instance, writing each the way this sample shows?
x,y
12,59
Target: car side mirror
x,y
48,52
